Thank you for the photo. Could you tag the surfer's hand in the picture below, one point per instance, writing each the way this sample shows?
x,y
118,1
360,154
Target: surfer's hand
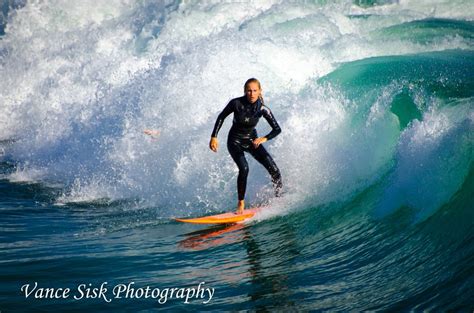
x,y
151,132
257,142
214,144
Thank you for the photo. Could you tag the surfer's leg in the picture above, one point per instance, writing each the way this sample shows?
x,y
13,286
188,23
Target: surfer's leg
x,y
263,157
238,156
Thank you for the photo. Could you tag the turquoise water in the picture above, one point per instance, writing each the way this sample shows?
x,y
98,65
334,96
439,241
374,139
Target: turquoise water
x,y
375,99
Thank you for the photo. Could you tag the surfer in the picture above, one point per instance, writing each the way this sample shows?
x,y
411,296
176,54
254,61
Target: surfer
x,y
243,136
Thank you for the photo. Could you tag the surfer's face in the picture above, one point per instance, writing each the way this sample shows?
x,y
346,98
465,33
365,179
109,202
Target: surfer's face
x,y
252,91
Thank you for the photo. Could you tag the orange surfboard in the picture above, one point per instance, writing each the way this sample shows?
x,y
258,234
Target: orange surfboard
x,y
224,218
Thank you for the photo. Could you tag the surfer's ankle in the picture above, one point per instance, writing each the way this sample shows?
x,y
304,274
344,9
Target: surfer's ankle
x,y
240,206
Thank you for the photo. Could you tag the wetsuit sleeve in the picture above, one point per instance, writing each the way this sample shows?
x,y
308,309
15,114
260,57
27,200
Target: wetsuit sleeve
x,y
220,119
276,130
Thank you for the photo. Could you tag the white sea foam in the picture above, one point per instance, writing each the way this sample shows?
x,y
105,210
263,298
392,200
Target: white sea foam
x,y
81,80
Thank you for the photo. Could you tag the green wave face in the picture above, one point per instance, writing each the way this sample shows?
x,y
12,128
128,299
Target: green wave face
x,y
428,31
415,79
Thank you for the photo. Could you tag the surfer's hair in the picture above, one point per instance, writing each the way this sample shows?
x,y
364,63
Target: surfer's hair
x,y
253,80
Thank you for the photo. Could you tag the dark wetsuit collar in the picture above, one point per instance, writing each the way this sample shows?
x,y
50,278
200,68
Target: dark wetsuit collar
x,y
257,104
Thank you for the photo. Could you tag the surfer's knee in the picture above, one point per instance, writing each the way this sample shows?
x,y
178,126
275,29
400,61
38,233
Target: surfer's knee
x,y
272,168
244,169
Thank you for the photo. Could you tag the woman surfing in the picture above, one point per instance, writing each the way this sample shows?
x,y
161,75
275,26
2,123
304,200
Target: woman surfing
x,y
243,137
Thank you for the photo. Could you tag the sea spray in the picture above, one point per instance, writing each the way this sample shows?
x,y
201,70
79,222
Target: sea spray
x,y
79,89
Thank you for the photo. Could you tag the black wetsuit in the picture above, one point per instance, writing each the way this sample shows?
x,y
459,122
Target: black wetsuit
x,y
241,135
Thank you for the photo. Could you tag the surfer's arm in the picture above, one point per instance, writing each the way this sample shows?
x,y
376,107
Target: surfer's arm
x,y
273,123
214,143
221,117
276,130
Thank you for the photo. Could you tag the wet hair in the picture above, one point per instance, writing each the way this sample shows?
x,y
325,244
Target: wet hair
x,y
253,80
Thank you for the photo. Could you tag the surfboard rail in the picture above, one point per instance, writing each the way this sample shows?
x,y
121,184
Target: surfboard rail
x,y
223,218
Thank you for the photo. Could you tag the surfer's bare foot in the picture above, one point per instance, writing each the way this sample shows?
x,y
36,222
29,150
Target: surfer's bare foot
x,y
240,206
